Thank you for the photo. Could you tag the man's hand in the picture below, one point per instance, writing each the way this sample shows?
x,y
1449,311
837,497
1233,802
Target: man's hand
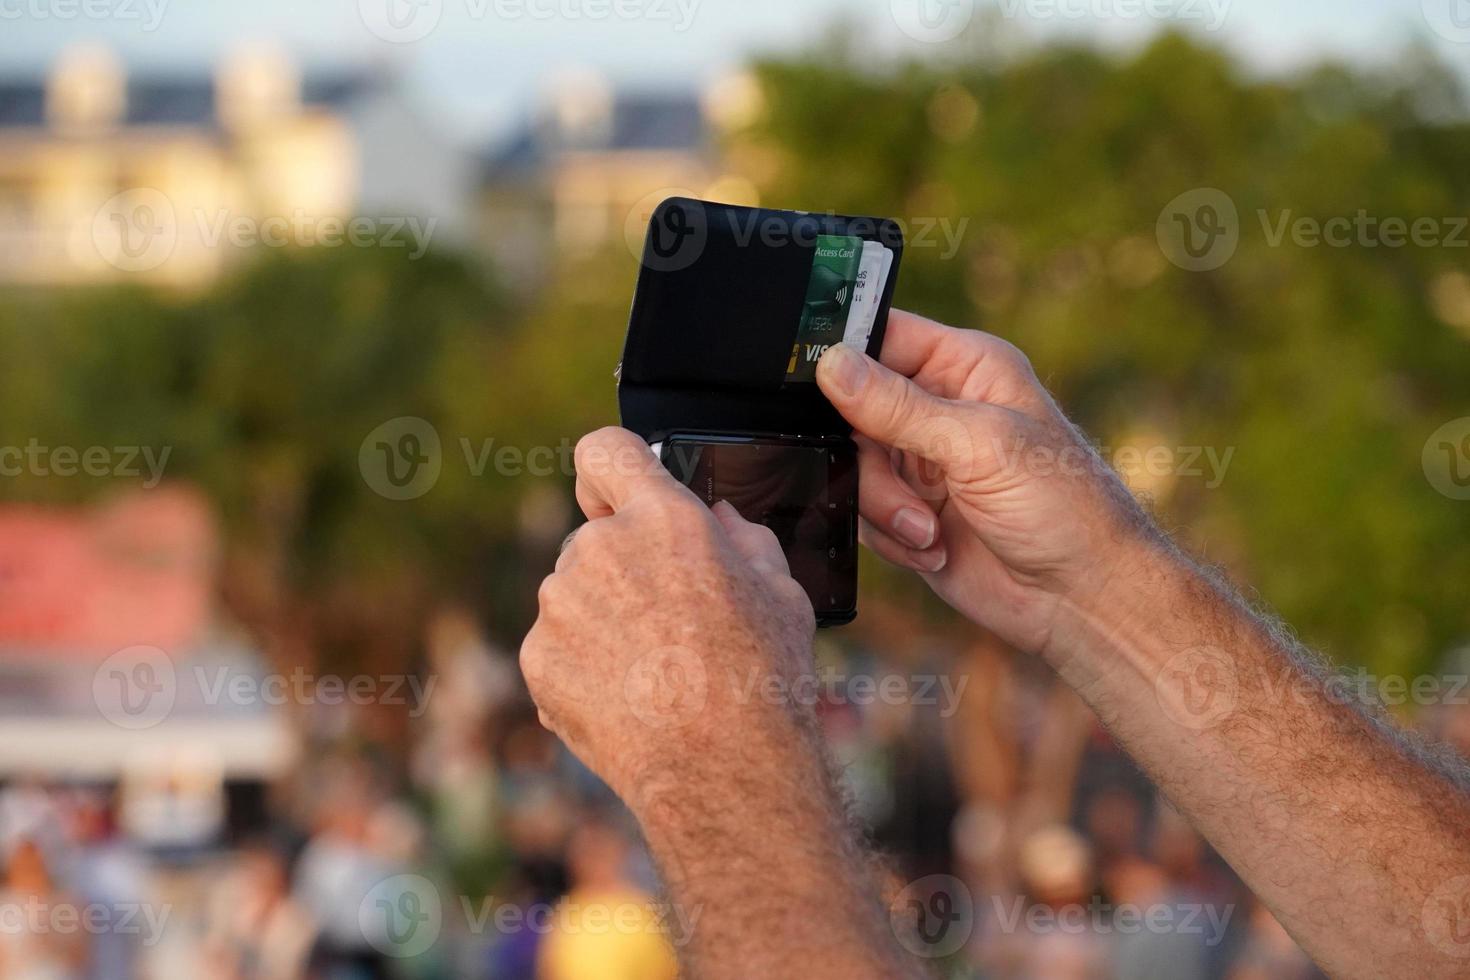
x,y
662,634
656,605
972,476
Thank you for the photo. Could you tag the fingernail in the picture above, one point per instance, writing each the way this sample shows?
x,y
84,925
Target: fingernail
x,y
932,560
846,368
915,529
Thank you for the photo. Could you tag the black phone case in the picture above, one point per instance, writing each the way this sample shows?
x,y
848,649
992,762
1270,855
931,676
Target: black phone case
x,y
716,311
715,316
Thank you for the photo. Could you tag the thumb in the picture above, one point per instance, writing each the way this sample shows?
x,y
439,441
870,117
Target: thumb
x,y
890,409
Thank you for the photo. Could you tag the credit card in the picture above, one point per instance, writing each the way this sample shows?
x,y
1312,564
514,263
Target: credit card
x,y
829,298
877,261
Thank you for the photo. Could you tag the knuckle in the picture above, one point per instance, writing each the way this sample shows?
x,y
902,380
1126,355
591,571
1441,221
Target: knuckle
x,y
533,660
552,593
595,541
767,537
595,450
677,506
1015,361
901,404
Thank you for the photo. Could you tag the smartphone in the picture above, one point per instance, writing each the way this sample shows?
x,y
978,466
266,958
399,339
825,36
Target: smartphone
x,y
803,489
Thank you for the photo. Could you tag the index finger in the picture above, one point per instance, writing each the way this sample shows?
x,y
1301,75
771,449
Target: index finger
x,y
614,467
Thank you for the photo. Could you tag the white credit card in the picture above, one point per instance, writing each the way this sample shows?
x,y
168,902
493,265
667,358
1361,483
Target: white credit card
x,y
873,270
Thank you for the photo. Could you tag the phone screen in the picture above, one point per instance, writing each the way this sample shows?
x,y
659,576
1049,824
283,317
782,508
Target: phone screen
x,y
805,492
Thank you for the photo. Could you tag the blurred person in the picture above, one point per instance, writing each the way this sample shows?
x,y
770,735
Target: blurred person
x,y
538,811
1057,874
605,927
337,869
106,871
1269,952
1174,944
35,941
1303,795
452,760
255,929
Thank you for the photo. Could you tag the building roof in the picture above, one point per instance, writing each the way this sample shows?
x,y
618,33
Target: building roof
x,y
171,100
636,122
88,582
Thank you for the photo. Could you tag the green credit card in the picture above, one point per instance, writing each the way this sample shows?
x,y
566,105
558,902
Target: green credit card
x,y
829,296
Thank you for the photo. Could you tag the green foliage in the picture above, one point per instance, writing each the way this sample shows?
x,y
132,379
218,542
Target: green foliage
x,y
262,391
1326,369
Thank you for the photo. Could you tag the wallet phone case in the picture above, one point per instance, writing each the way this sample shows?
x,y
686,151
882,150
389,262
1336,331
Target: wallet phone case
x,y
729,317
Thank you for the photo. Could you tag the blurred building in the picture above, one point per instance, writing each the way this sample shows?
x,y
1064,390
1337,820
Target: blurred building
x,y
105,175
114,669
586,168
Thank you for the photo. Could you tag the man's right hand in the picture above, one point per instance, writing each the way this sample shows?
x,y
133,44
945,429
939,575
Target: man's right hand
x,y
972,476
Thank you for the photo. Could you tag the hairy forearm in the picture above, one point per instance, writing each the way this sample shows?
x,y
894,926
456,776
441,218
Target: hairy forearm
x,y
1353,833
759,854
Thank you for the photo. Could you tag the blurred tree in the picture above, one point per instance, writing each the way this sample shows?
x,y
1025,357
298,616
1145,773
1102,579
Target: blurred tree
x,y
1324,369
1031,184
263,391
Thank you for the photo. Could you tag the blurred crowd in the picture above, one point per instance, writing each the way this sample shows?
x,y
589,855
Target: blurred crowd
x,y
1024,844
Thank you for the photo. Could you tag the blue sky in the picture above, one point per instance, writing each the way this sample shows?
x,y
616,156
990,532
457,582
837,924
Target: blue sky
x,y
485,60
